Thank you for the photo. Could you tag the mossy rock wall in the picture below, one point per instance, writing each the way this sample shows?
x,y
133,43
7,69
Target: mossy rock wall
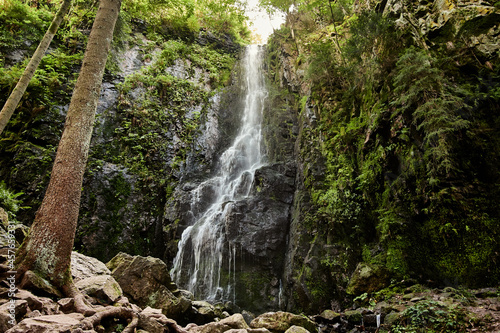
x,y
157,97
375,185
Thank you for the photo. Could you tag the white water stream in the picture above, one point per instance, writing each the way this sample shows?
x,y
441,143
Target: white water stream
x,y
203,250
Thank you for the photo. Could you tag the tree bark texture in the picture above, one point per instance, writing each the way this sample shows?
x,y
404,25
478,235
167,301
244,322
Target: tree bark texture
x,y
47,249
18,92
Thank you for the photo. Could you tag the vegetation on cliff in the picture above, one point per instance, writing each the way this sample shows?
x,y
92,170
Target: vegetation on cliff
x,y
146,124
399,110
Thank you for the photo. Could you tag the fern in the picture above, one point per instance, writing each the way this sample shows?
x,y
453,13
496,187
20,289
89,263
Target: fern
x,y
9,200
434,104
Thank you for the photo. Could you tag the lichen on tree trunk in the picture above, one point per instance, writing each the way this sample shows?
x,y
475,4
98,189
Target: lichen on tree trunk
x,y
47,249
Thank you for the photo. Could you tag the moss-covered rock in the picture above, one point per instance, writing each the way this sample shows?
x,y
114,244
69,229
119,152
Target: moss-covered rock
x,y
368,278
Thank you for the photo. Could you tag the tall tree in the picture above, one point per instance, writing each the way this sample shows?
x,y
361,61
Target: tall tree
x,y
18,92
46,252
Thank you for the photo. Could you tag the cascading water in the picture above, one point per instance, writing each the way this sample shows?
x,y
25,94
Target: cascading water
x,y
203,250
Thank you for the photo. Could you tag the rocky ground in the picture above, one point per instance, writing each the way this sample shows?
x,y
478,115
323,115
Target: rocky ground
x,y
135,294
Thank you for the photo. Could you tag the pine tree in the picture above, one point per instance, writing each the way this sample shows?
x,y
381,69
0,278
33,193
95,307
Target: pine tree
x,y
46,252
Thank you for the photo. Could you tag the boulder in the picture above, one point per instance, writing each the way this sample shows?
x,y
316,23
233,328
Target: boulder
x,y
83,267
154,321
146,281
368,278
34,302
48,324
103,287
354,317
204,312
34,282
296,329
66,305
281,321
234,322
12,312
328,317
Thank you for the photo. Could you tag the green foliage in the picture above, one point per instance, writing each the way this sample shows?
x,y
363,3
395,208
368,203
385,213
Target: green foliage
x,y
22,23
435,104
184,17
431,316
399,145
9,200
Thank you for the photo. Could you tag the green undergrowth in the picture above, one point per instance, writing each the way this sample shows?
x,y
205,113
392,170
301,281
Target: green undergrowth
x,y
405,137
432,316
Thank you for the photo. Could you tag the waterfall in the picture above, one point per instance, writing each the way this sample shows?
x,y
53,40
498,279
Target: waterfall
x,y
203,250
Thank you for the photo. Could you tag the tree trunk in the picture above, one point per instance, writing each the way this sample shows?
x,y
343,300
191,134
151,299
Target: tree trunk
x,y
18,92
47,248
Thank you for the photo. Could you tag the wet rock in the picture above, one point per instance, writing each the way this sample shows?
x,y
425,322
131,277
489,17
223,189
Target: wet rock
x,y
146,281
276,181
282,321
256,225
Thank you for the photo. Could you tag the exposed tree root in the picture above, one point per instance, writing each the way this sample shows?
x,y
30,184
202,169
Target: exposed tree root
x,y
115,312
81,305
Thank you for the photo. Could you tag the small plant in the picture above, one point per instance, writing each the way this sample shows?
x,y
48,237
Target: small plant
x,y
9,200
431,316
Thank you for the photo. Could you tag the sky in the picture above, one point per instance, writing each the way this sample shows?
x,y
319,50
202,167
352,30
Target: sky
x,y
263,24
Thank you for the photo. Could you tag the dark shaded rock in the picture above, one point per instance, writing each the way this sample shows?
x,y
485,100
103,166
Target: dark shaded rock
x,y
34,282
328,317
116,215
354,317
224,42
368,278
275,181
258,226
